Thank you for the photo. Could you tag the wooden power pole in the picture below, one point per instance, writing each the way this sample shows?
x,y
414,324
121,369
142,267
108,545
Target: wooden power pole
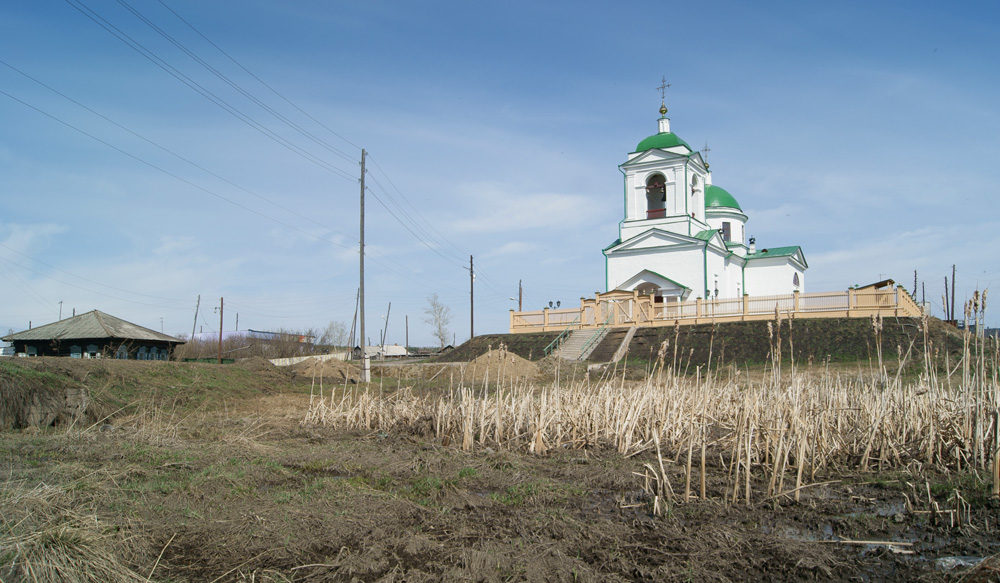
x,y
366,371
195,325
221,303
472,303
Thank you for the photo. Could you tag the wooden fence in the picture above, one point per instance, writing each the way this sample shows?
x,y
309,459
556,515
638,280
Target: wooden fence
x,y
622,308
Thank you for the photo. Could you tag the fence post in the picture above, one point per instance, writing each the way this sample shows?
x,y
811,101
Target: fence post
x,y
511,319
851,301
698,309
795,302
746,305
545,318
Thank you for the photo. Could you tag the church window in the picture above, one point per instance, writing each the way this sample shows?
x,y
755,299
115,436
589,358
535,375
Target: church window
x,y
726,231
656,196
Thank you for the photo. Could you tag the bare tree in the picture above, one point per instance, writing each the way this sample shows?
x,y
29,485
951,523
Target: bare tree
x,y
438,316
335,334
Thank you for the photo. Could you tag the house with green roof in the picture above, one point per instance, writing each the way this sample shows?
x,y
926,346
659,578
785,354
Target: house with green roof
x,y
682,237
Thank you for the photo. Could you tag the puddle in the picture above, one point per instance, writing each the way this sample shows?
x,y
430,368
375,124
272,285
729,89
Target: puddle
x,y
949,563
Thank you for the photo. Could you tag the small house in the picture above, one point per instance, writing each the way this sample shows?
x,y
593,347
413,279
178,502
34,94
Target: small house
x,y
93,335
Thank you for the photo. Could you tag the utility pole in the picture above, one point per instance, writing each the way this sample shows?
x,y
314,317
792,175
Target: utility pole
x,y
953,317
60,310
947,310
195,325
520,296
221,304
472,303
386,329
407,347
366,371
354,323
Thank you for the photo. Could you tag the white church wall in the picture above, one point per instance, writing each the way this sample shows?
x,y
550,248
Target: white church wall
x,y
680,265
677,225
773,277
724,274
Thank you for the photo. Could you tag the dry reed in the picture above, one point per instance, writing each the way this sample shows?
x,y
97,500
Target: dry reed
x,y
783,428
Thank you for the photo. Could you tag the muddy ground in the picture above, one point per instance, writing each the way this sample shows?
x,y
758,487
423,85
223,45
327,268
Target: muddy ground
x,y
235,488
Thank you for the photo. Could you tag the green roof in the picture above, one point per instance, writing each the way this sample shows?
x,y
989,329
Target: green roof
x,y
716,197
662,140
706,234
774,252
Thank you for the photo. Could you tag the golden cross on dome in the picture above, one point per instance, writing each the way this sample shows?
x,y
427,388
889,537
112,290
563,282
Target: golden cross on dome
x,y
663,94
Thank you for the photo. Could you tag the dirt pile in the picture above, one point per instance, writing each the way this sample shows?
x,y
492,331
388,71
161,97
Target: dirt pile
x,y
500,364
256,364
327,369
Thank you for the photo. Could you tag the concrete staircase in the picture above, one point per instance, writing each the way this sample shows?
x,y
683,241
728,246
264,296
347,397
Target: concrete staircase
x,y
576,346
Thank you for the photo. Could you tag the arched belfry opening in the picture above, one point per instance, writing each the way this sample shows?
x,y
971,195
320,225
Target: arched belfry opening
x,y
656,196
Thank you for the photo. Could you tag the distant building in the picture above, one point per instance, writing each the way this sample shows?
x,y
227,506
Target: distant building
x,y
93,335
393,351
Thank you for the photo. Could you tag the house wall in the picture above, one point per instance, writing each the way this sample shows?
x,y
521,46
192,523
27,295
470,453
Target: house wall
x,y
96,348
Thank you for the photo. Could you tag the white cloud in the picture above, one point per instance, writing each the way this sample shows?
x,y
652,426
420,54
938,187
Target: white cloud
x,y
492,209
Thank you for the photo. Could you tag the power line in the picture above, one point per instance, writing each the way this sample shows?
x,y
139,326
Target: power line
x,y
261,81
232,83
200,89
165,149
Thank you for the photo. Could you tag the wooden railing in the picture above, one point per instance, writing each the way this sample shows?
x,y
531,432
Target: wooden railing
x,y
621,308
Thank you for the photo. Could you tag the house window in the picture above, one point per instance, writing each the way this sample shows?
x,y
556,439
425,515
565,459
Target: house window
x,y
76,351
93,351
656,196
122,353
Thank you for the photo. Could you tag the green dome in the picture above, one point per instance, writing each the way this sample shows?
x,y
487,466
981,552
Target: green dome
x,y
661,140
716,197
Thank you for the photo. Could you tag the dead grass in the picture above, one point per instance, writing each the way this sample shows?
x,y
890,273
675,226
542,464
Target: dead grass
x,y
44,539
781,424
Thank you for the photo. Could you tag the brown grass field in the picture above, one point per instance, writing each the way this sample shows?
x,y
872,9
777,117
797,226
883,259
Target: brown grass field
x,y
503,469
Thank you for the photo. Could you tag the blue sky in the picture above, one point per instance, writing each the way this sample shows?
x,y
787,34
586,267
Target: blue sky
x,y
864,132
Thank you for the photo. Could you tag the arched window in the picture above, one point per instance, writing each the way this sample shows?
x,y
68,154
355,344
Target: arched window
x,y
656,196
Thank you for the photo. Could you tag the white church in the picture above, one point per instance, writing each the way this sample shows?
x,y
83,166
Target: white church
x,y
684,238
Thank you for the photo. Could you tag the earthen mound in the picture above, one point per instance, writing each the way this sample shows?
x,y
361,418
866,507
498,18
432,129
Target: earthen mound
x,y
327,369
500,364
